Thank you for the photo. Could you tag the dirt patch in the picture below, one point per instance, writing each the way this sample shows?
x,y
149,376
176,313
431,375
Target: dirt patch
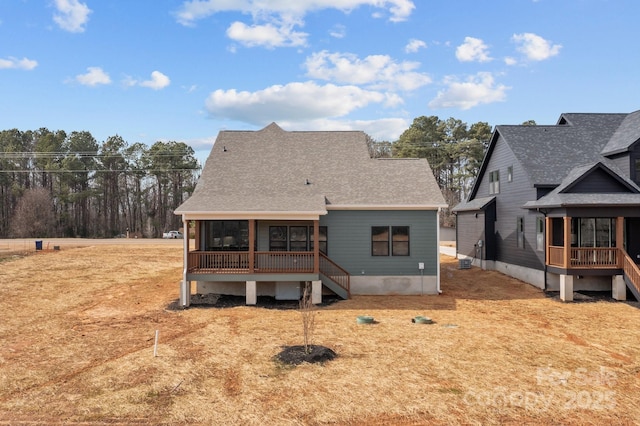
x,y
77,329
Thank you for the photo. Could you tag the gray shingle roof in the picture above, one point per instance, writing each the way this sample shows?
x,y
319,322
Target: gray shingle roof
x,y
272,170
475,204
562,196
545,151
625,136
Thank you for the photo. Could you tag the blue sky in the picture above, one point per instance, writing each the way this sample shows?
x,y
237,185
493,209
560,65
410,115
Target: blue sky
x,y
151,70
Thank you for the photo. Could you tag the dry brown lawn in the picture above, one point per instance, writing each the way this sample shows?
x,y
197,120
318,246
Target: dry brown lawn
x,y
77,330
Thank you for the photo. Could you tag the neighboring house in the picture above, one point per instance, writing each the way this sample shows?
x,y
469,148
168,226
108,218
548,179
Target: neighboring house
x,y
274,210
559,206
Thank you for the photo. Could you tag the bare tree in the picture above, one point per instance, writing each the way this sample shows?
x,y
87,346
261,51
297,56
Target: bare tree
x,y
34,215
308,311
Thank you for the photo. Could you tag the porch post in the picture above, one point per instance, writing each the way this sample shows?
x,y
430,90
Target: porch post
x,y
316,246
548,233
252,249
185,286
196,231
567,242
620,240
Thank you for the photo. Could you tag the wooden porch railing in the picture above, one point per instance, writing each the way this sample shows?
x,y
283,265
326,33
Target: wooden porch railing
x,y
335,273
237,262
586,257
631,270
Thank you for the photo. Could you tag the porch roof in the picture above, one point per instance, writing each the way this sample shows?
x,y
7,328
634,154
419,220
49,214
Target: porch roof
x,y
276,171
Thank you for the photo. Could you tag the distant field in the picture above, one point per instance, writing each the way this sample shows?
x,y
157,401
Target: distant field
x,y
77,329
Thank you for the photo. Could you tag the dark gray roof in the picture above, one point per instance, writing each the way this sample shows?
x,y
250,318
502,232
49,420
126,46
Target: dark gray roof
x,y
625,136
562,197
545,151
475,204
272,170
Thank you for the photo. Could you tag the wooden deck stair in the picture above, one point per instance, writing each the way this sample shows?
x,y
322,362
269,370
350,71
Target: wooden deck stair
x,y
334,277
631,275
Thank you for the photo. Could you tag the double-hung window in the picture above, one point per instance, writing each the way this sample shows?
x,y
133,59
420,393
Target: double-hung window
x,y
390,240
494,182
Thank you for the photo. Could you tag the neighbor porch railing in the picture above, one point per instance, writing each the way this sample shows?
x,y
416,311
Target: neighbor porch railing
x,y
585,257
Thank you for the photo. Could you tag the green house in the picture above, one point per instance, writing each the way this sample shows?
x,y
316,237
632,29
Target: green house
x,y
274,210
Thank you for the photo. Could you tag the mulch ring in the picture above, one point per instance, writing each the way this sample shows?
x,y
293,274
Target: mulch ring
x,y
295,355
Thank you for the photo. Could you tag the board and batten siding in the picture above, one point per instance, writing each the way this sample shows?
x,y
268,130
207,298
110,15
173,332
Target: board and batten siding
x,y
349,241
509,201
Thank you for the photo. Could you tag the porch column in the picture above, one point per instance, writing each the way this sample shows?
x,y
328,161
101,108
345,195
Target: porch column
x,y
548,234
566,288
316,292
567,242
252,249
316,246
620,242
251,293
618,288
185,286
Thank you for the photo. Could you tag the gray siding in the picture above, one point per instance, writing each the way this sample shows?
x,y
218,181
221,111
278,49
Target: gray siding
x,y
509,201
349,241
470,226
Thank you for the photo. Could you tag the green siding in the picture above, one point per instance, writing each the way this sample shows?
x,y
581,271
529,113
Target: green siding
x,y
349,241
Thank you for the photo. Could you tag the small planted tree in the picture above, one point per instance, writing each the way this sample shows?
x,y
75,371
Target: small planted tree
x,y
308,312
307,352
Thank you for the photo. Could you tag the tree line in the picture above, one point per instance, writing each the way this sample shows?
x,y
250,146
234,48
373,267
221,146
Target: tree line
x,y
54,184
453,149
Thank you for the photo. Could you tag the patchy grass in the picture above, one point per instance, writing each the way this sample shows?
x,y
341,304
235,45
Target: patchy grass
x,y
77,328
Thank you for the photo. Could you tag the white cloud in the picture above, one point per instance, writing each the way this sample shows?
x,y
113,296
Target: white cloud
x,y
19,64
414,45
473,50
158,81
384,129
510,60
298,101
476,90
93,77
267,35
375,71
534,47
338,31
193,10
72,15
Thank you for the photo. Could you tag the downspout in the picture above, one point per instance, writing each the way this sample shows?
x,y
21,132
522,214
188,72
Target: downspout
x,y
544,213
438,251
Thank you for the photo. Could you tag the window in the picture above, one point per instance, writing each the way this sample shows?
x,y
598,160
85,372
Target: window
x,y
227,235
494,182
540,233
278,238
296,238
593,232
390,239
520,232
379,241
400,241
510,174
636,164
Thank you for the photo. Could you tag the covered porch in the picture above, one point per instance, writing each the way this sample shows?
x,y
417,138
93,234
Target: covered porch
x,y
587,246
255,250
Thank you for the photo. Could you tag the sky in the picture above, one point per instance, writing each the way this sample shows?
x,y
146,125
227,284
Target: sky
x,y
172,70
